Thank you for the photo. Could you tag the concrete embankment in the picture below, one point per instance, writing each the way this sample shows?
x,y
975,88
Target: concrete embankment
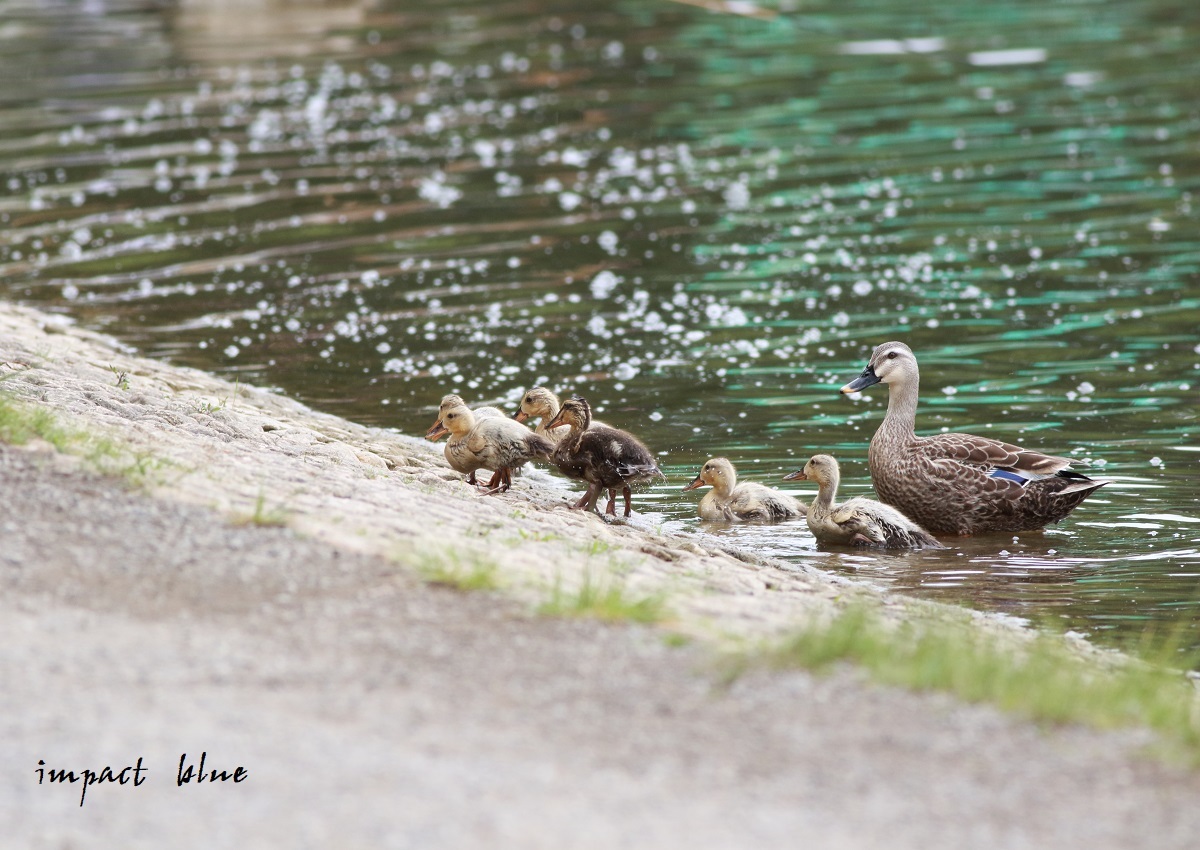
x,y
256,597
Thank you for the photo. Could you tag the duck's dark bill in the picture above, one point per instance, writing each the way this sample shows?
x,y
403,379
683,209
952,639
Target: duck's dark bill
x,y
866,379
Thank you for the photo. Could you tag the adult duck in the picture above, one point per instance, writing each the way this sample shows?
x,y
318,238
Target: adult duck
x,y
495,442
858,521
606,458
746,501
959,483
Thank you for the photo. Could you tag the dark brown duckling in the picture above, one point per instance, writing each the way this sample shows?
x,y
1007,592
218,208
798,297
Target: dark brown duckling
x,y
604,457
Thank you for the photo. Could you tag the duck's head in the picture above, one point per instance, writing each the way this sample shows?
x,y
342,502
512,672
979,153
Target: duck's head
x,y
538,401
436,431
717,473
820,468
891,363
456,419
575,412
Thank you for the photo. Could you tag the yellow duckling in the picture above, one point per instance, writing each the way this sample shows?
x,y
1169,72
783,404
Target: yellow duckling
x,y
449,401
604,457
541,402
859,521
729,500
495,443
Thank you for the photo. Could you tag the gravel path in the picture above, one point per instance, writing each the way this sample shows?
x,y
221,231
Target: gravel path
x,y
370,709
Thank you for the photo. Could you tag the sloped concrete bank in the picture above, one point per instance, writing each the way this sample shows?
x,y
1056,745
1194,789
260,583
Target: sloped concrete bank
x,y
193,437
371,709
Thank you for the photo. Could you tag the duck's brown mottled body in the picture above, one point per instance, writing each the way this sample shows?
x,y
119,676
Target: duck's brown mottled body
x,y
606,458
858,521
730,500
959,483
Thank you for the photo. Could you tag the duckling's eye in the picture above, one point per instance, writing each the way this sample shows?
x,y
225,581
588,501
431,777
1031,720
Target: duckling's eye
x,y
891,355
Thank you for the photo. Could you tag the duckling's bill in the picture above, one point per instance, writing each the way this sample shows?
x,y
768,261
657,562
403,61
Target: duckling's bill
x,y
695,484
436,431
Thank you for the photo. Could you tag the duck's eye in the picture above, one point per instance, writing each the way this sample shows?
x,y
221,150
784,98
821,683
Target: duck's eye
x,y
891,355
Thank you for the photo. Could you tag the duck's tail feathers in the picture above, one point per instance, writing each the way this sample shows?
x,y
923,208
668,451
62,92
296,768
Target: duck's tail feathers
x,y
640,470
1083,485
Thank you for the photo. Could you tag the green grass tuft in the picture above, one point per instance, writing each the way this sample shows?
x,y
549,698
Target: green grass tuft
x,y
606,599
262,515
459,571
1042,679
21,422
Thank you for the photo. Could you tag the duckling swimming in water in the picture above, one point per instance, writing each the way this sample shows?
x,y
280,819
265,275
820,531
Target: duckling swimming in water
x,y
858,521
750,502
495,443
604,457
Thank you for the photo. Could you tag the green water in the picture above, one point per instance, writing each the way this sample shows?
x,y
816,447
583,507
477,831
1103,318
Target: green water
x,y
701,221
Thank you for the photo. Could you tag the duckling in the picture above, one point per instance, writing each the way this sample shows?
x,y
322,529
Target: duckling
x,y
604,457
449,401
541,402
859,521
729,500
495,443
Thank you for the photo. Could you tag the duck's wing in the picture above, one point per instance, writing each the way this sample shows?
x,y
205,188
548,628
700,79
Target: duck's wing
x,y
757,501
882,525
856,517
989,455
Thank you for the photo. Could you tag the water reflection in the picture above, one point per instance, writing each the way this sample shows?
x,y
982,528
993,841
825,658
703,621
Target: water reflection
x,y
702,221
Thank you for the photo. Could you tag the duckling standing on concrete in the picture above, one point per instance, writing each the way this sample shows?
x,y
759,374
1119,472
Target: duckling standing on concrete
x,y
604,457
496,443
450,401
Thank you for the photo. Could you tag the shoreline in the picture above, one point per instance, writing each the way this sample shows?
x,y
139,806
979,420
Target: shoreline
x,y
259,457
247,452
280,590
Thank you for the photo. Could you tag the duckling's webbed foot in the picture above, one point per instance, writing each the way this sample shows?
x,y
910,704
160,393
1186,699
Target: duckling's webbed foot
x,y
500,482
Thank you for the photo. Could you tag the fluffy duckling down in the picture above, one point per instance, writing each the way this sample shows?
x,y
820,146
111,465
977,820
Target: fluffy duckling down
x,y
496,443
542,404
747,501
604,457
858,521
449,401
